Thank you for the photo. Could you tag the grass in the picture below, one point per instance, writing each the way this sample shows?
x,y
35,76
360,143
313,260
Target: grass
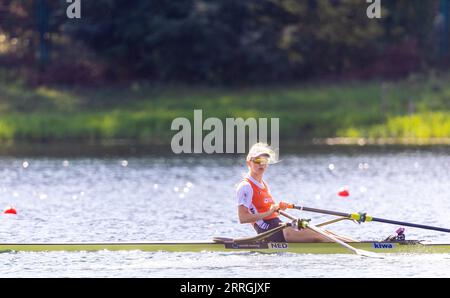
x,y
424,125
413,108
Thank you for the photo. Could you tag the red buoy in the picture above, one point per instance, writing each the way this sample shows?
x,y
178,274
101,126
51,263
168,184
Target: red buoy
x,y
10,210
344,192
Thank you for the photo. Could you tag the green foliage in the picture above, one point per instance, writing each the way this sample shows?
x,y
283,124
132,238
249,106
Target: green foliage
x,y
223,41
416,108
418,126
220,41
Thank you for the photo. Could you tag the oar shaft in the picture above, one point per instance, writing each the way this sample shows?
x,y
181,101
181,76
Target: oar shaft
x,y
332,238
319,231
408,224
320,211
356,216
287,215
263,235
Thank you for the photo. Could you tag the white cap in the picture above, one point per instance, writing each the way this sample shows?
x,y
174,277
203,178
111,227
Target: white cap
x,y
262,149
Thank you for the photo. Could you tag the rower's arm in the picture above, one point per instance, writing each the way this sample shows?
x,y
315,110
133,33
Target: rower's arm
x,y
244,195
246,217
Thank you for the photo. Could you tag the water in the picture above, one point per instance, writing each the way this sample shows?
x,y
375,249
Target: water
x,y
158,197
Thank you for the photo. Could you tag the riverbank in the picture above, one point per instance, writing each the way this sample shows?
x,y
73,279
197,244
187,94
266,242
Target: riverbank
x,y
415,110
128,149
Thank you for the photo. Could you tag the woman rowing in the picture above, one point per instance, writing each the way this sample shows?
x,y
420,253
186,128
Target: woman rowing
x,y
256,205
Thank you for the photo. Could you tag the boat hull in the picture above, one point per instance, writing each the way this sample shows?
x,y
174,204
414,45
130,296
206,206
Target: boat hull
x,y
199,246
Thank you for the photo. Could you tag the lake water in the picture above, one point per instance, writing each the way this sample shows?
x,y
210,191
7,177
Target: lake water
x,y
168,197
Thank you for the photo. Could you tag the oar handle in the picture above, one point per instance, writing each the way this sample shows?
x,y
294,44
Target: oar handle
x,y
284,205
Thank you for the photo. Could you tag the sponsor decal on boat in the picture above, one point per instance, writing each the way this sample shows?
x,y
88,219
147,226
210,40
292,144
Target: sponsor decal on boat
x,y
246,245
278,245
384,245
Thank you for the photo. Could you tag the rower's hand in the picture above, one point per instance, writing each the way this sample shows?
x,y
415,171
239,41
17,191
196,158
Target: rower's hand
x,y
274,208
283,206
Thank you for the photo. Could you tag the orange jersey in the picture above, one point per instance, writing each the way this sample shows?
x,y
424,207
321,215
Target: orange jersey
x,y
262,200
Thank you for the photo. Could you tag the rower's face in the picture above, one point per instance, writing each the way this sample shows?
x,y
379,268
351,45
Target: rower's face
x,y
258,165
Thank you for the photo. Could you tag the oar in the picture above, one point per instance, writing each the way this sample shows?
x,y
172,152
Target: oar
x,y
362,217
263,235
253,239
359,252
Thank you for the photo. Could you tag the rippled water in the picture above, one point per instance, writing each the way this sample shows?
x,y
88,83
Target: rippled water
x,y
173,197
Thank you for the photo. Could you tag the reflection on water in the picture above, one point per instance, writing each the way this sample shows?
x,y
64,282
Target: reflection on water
x,y
126,197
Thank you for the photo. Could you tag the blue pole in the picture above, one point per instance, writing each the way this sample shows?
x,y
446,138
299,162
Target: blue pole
x,y
43,29
444,11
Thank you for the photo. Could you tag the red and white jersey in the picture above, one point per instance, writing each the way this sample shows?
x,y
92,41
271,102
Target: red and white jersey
x,y
256,197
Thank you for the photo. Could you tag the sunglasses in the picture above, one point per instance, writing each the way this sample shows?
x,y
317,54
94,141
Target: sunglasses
x,y
261,160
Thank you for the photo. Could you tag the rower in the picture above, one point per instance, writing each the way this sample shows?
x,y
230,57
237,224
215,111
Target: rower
x,y
257,207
